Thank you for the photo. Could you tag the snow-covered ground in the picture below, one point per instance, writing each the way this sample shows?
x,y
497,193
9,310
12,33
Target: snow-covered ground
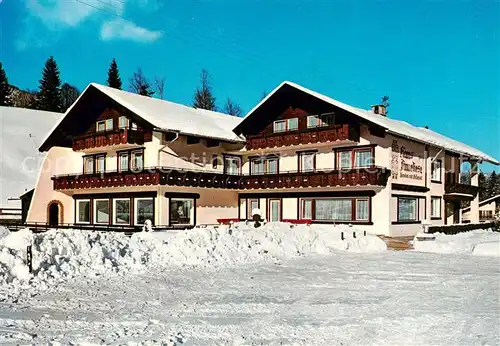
x,y
273,286
479,243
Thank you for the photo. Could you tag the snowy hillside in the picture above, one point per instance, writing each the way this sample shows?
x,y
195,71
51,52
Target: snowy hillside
x,y
21,133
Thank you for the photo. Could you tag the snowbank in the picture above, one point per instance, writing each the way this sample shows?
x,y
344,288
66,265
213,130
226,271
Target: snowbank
x,y
478,242
66,253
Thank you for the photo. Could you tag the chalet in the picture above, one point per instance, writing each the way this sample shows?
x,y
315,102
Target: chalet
x,y
118,159
489,209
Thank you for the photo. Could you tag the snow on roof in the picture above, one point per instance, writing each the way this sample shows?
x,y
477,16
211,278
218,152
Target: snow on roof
x,y
486,201
21,133
171,116
396,127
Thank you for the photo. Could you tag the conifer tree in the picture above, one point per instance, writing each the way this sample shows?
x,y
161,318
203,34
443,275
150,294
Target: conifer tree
x,y
492,184
5,89
49,94
203,97
114,79
482,186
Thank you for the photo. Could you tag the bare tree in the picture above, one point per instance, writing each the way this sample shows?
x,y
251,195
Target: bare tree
x,y
159,86
140,84
232,108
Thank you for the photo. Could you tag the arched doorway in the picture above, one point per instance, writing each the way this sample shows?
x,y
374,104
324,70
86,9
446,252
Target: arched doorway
x,y
54,214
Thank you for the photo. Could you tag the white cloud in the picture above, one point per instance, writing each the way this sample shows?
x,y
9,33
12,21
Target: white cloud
x,y
125,30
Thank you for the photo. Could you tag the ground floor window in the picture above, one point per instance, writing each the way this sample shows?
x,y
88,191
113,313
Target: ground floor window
x,y
101,211
83,211
182,211
436,207
122,211
144,210
335,209
306,209
407,209
253,203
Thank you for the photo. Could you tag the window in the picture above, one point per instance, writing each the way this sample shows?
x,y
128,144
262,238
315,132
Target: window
x,y
435,207
109,124
436,171
307,162
407,209
274,210
362,210
88,164
286,125
363,158
101,213
252,204
123,122
215,159
259,166
122,211
321,120
123,162
100,126
182,211
306,209
232,165
144,208
137,160
486,214
333,209
344,160
100,164
83,211
272,166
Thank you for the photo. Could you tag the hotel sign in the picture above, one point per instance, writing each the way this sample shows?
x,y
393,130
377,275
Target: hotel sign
x,y
407,162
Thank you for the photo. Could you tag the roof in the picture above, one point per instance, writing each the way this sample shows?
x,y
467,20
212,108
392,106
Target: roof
x,y
486,201
397,127
21,132
169,116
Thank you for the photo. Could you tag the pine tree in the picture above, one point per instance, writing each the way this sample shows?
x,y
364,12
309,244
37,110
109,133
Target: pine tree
x,y
69,94
114,79
140,85
482,186
232,108
203,97
5,89
492,184
49,95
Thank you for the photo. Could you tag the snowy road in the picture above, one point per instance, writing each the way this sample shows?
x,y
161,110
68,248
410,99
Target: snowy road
x,y
343,299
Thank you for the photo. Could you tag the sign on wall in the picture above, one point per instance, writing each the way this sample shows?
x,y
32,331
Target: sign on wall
x,y
407,162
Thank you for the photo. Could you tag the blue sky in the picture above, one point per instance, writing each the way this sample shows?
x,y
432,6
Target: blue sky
x,y
439,61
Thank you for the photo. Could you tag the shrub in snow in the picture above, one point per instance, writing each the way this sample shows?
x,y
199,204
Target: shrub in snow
x,y
148,226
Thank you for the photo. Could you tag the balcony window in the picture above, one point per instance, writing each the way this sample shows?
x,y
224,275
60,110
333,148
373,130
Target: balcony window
x,y
344,160
101,207
83,211
259,166
436,207
100,126
88,164
307,162
123,162
100,164
232,165
123,122
407,209
272,166
436,171
122,211
182,211
137,160
144,210
286,125
363,158
321,120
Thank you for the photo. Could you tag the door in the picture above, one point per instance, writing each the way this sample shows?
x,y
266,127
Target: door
x,y
274,210
54,214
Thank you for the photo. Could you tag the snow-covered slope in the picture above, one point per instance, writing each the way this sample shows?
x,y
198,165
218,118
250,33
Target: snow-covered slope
x,y
21,133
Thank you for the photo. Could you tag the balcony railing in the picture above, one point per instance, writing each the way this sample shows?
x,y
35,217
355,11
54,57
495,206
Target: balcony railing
x,y
372,176
453,185
109,138
314,135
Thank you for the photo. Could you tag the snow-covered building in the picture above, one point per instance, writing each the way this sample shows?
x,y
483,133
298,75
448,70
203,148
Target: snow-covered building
x,y
488,210
118,159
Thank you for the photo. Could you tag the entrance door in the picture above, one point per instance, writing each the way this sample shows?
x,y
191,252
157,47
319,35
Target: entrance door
x,y
274,210
54,214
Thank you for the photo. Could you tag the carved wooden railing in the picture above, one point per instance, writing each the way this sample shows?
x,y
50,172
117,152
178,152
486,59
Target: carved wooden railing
x,y
316,135
452,185
373,176
110,138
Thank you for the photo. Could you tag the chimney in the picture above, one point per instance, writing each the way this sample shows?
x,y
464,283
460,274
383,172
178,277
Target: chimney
x,y
379,109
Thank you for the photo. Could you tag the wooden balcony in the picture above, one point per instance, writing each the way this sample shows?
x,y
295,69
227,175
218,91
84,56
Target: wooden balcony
x,y
110,138
373,176
309,136
454,187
